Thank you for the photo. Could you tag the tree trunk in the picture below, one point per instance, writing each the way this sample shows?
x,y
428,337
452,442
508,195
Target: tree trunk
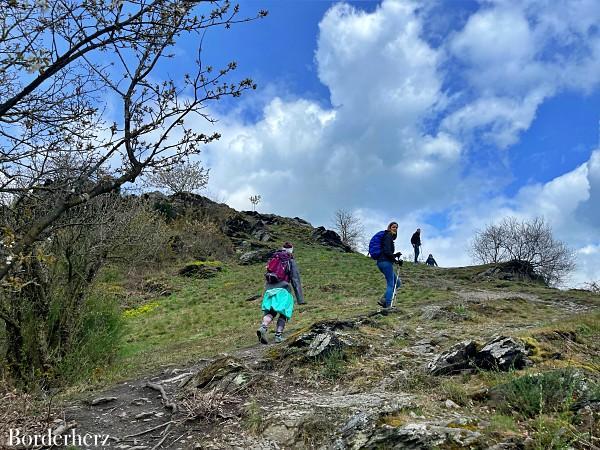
x,y
15,357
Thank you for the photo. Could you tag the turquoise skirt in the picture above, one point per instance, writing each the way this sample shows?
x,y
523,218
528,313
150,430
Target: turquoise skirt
x,y
279,300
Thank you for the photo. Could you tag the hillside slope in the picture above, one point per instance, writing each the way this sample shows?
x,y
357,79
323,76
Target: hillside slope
x,y
348,375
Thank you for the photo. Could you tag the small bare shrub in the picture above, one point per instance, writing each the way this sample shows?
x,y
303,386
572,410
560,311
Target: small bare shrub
x,y
199,239
199,405
350,228
592,286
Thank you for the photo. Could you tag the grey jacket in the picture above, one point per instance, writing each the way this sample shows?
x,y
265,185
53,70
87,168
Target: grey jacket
x,y
295,282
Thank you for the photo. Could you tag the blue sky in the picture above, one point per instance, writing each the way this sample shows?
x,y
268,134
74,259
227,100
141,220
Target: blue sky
x,y
447,115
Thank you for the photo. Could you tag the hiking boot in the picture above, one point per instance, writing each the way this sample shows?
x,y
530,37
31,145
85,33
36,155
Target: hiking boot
x,y
381,302
278,338
262,335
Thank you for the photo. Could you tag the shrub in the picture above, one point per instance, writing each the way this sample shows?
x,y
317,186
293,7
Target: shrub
x,y
199,239
96,338
333,365
539,393
550,434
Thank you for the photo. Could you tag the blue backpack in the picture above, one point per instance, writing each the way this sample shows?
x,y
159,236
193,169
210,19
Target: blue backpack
x,y
375,245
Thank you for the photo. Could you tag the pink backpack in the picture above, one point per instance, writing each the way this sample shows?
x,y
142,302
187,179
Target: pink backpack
x,y
278,268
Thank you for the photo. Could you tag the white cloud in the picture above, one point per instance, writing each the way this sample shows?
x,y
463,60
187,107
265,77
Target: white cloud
x,y
377,63
589,250
500,118
396,143
384,82
498,47
518,53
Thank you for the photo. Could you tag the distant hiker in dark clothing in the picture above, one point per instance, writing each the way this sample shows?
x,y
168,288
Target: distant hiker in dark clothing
x,y
385,263
415,240
282,271
430,261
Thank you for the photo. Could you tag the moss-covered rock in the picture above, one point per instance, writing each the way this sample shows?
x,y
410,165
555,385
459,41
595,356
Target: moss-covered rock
x,y
201,269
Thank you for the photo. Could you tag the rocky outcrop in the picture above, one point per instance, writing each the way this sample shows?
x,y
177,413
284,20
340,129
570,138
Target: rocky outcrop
x,y
256,256
459,357
176,205
512,271
318,341
269,219
237,226
330,239
423,435
302,222
225,375
324,337
364,431
500,353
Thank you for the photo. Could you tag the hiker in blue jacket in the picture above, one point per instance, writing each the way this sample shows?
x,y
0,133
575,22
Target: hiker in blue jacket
x,y
278,297
385,263
431,261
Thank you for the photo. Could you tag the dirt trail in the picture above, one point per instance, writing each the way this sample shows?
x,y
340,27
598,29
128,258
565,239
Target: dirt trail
x,y
135,408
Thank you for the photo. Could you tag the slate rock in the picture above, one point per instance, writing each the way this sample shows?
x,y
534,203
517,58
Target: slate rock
x,y
257,256
226,374
330,238
456,359
417,436
237,226
502,353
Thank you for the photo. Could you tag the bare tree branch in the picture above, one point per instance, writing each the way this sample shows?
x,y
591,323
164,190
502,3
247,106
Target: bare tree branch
x,y
61,63
526,241
350,229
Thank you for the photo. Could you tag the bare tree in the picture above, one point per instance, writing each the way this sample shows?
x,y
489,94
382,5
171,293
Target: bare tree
x,y
350,229
530,242
182,177
592,286
63,65
255,200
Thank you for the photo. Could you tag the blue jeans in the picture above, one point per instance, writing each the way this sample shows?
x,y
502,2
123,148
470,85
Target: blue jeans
x,y
387,269
416,247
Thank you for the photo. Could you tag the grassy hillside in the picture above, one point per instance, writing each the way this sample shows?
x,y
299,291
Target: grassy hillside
x,y
169,321
202,317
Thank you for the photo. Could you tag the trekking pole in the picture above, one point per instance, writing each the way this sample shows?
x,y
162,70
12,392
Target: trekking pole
x,y
395,286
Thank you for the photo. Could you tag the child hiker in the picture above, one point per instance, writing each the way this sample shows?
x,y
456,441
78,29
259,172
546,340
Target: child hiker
x,y
282,271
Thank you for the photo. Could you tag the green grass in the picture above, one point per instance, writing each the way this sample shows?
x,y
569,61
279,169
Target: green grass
x,y
333,365
101,326
253,417
500,423
204,317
